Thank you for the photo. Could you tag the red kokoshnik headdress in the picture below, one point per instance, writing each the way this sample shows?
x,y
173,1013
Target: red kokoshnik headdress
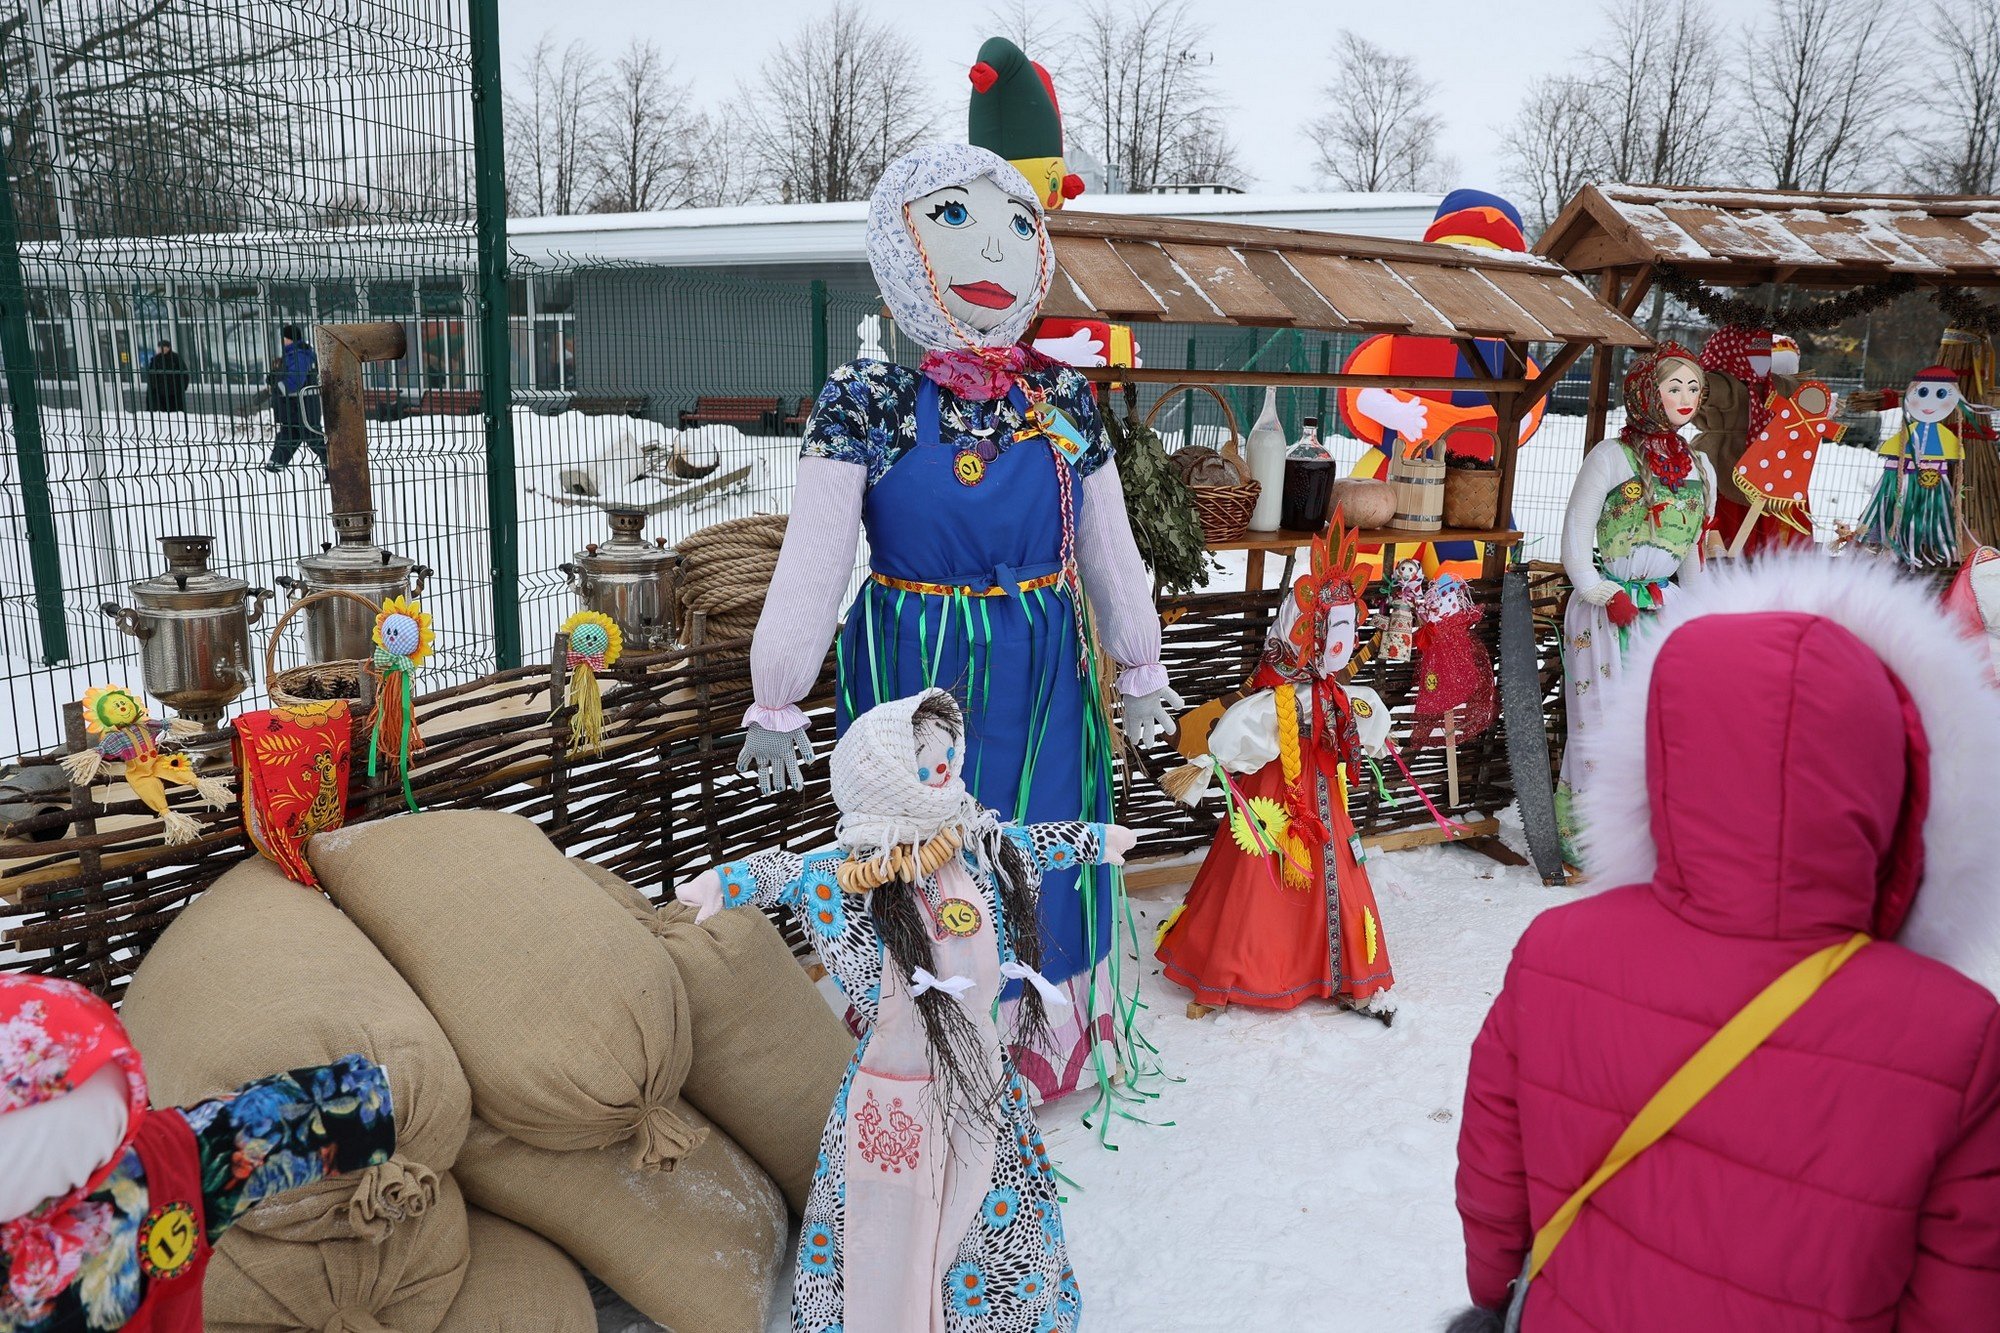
x,y
1330,580
1656,440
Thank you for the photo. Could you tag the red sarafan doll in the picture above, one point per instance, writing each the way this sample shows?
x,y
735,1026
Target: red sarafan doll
x,y
108,1207
1282,910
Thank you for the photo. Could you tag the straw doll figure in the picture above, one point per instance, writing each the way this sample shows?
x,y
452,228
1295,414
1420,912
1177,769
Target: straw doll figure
x,y
934,1205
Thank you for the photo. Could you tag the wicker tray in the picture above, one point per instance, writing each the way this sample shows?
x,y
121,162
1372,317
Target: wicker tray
x,y
1224,511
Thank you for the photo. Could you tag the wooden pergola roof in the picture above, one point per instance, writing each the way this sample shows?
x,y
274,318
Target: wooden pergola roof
x,y
1168,270
1747,237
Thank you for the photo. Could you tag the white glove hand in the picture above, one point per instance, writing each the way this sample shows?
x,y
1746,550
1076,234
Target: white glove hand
x,y
777,756
1599,593
1149,718
1081,348
1408,417
1118,840
703,893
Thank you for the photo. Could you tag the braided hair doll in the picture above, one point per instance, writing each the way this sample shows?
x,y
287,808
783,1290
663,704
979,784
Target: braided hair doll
x,y
934,1205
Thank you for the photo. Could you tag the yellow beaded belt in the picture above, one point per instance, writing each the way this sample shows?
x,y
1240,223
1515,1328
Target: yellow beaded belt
x,y
950,589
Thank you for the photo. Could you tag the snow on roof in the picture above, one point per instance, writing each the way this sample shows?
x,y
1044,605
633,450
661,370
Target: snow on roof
x,y
836,233
1753,236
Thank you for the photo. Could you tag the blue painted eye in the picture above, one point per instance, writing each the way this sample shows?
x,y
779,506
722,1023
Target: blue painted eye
x,y
1023,227
952,213
923,776
950,753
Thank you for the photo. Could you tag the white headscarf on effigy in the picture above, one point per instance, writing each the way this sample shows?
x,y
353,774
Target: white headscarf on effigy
x,y
882,803
899,268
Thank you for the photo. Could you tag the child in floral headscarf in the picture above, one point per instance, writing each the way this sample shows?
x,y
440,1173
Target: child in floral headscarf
x,y
108,1208
934,1206
1635,522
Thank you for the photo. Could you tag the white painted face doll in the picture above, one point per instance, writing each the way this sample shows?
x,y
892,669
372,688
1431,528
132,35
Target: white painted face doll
x,y
984,248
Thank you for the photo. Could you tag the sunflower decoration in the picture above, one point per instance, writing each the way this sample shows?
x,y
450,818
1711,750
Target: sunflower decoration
x,y
123,731
1258,825
403,640
595,642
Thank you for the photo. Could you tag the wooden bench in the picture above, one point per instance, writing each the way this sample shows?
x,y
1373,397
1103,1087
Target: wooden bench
x,y
395,405
610,405
796,422
762,412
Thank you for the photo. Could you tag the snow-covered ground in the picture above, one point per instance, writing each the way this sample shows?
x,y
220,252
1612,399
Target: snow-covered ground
x,y
1307,1179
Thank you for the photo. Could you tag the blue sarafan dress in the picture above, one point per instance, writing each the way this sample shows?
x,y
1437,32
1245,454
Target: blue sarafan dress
x,y
968,592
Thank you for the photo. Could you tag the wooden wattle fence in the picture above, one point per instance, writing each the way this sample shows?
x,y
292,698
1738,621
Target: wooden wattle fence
x,y
662,802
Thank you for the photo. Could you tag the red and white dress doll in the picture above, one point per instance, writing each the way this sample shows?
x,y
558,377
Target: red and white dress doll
x,y
1282,910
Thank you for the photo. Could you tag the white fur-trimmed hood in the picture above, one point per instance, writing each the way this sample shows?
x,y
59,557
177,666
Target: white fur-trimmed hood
x,y
1956,916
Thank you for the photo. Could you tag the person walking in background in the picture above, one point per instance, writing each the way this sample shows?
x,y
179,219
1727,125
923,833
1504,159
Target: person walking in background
x,y
1790,816
166,380
294,384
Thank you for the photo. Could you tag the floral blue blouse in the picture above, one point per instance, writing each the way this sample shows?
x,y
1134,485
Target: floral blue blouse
x,y
867,414
269,1136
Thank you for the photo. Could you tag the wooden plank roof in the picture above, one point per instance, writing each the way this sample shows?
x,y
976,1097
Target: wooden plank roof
x,y
1743,237
1169,270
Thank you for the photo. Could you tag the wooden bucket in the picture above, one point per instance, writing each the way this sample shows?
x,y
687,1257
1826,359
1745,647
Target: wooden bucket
x,y
1419,482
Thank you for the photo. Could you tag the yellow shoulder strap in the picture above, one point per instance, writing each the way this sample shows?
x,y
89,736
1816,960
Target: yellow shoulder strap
x,y
1697,1078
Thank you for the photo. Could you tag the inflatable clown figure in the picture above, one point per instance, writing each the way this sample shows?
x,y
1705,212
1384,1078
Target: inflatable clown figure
x,y
1466,420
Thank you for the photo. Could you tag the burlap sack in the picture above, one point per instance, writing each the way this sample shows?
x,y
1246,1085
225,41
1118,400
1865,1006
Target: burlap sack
x,y
769,1054
289,1281
517,1283
260,975
569,1023
696,1248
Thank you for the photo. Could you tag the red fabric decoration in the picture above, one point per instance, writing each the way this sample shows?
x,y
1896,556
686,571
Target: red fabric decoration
x,y
1454,671
1621,609
983,76
179,1212
295,767
981,374
1728,351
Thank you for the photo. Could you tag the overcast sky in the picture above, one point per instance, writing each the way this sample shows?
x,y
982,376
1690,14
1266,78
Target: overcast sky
x,y
1272,57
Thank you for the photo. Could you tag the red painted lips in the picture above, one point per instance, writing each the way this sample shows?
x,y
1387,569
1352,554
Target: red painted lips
x,y
989,294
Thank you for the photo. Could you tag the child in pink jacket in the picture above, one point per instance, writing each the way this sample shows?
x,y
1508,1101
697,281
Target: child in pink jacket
x,y
1801,749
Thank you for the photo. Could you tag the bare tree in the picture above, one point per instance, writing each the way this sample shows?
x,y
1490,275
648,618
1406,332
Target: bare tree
x,y
1380,133
1555,145
648,135
552,129
1961,154
1031,26
1139,95
1660,81
832,106
1820,76
161,111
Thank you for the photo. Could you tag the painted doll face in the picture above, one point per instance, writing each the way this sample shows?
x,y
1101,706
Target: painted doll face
x,y
1680,392
1338,650
984,247
937,756
1930,400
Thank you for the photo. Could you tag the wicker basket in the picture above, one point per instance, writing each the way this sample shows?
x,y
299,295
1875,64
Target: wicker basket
x,y
1471,495
318,682
1419,482
1224,511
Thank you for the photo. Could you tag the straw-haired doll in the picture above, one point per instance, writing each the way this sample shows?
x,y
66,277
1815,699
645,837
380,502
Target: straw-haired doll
x,y
934,1205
